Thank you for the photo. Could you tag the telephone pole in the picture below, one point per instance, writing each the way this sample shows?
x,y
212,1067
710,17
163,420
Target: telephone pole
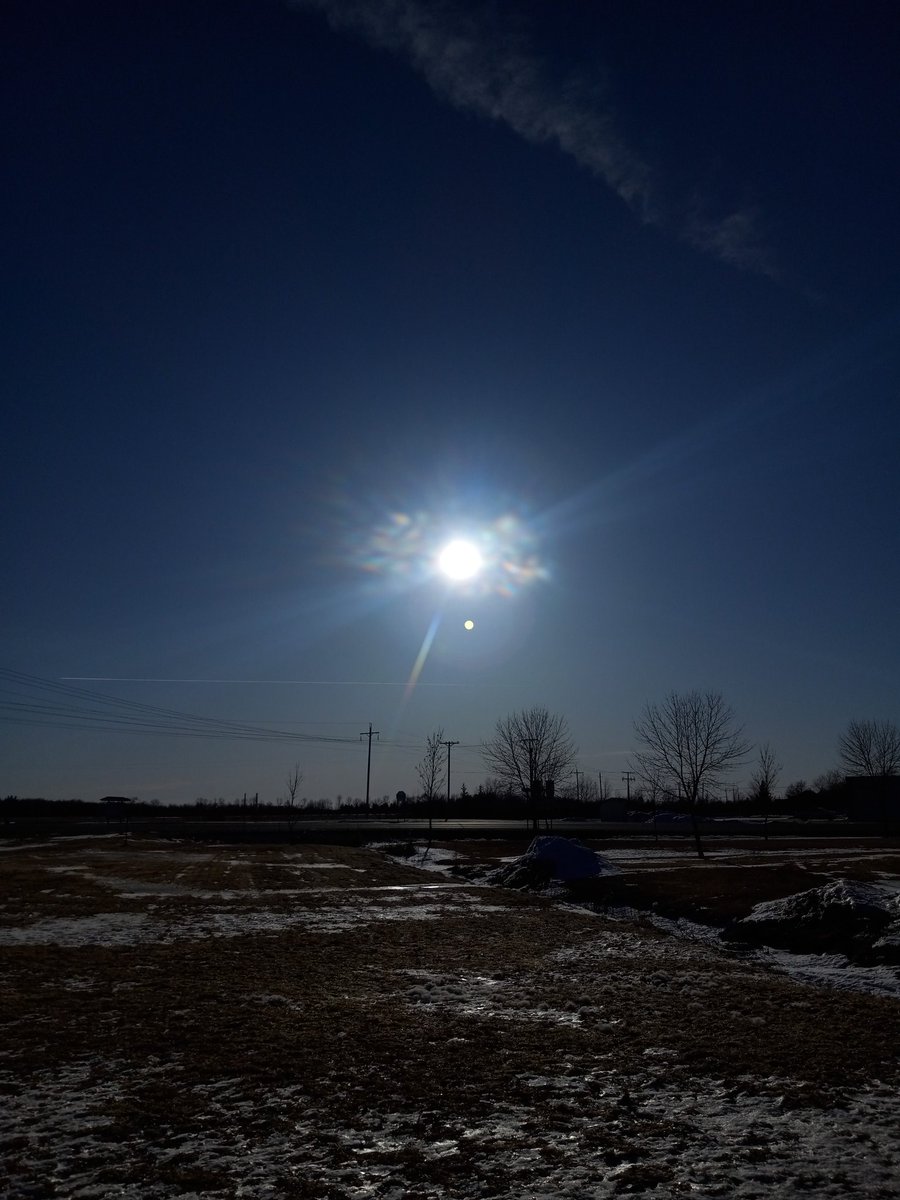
x,y
371,733
578,775
628,776
448,744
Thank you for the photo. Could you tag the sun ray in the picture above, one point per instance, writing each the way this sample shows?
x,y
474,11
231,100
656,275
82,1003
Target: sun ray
x,y
424,649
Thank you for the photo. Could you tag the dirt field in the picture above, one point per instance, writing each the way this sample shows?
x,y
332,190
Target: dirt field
x,y
327,1022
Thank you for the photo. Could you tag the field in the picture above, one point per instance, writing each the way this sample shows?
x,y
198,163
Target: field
x,y
332,1022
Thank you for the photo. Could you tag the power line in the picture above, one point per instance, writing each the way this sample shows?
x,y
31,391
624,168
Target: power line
x,y
80,708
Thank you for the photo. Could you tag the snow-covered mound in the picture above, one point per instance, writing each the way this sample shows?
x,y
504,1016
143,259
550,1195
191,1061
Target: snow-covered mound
x,y
549,859
846,917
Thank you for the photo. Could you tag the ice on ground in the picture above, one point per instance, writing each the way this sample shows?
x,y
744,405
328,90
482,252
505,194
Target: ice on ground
x,y
419,855
361,906
6,846
832,970
817,970
99,929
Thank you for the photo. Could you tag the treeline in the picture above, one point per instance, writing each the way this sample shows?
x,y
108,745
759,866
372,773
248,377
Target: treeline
x,y
828,796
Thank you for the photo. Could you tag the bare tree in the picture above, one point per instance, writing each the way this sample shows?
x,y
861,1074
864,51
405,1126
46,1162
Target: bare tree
x,y
431,774
763,781
528,750
293,783
294,779
689,742
829,781
589,791
870,748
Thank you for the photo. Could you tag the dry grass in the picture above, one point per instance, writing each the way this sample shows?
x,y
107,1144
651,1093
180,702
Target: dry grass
x,y
327,1017
712,894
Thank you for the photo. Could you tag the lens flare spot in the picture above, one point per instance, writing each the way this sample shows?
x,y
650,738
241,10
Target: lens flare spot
x,y
460,560
468,624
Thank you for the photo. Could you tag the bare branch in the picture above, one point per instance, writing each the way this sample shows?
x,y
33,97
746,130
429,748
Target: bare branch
x,y
765,775
293,783
870,748
689,742
530,746
430,770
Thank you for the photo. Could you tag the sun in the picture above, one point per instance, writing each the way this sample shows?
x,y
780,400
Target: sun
x,y
460,560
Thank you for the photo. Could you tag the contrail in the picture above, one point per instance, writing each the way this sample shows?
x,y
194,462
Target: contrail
x,y
167,679
398,683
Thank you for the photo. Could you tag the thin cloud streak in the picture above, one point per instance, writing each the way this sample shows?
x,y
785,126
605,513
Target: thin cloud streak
x,y
391,683
479,68
736,239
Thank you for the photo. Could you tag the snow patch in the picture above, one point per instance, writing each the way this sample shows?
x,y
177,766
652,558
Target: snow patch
x,y
614,1135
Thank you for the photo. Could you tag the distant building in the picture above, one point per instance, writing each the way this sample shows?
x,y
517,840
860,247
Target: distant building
x,y
116,807
874,798
613,809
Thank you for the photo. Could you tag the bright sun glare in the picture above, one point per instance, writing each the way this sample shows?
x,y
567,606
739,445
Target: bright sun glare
x,y
460,560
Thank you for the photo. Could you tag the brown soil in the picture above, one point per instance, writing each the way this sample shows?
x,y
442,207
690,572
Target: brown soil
x,y
330,1013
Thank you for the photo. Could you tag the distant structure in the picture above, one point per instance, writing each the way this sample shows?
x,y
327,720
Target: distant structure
x,y
115,808
614,808
874,798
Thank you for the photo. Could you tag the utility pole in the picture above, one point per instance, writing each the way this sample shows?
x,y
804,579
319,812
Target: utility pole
x,y
628,776
369,735
448,744
578,775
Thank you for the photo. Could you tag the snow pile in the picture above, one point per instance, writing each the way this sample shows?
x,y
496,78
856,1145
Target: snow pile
x,y
550,859
844,917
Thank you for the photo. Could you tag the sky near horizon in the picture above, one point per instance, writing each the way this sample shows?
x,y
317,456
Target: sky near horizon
x,y
298,292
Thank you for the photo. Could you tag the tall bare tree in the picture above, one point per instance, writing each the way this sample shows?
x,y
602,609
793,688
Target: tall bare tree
x,y
294,779
293,783
689,742
431,773
870,748
530,748
763,781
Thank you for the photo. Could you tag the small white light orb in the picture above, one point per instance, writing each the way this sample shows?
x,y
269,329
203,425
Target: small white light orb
x,y
468,624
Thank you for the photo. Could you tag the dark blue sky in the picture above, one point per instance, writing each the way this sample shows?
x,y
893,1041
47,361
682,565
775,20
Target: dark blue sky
x,y
294,291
